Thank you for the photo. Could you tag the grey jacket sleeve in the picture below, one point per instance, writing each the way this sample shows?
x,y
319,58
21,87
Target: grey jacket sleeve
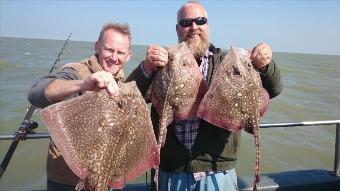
x,y
143,82
36,93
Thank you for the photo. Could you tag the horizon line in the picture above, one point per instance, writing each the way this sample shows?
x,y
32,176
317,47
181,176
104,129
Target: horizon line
x,y
148,45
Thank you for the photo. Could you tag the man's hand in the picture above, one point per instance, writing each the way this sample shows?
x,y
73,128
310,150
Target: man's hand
x,y
101,80
261,56
156,56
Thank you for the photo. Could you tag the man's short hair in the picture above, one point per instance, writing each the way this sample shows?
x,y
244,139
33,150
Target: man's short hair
x,y
118,27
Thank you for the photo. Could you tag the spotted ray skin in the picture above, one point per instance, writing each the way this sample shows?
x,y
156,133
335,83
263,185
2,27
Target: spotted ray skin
x,y
105,141
177,88
236,98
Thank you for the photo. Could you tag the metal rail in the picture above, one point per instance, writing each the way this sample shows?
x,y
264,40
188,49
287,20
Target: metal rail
x,y
265,125
28,136
303,123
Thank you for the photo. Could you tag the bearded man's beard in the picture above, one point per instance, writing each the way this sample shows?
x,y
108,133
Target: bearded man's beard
x,y
197,47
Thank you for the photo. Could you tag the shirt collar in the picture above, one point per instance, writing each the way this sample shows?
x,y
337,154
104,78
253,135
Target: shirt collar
x,y
206,54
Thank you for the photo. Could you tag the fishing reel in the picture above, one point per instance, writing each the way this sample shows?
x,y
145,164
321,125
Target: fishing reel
x,y
26,127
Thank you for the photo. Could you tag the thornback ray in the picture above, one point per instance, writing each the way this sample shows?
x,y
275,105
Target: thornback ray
x,y
177,89
106,141
236,99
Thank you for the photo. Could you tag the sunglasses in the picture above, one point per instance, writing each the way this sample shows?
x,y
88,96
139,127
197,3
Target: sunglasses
x,y
188,22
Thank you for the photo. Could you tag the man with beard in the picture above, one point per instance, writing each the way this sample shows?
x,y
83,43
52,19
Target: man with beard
x,y
205,157
103,70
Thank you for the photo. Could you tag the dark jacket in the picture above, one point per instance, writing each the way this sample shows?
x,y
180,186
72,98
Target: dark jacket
x,y
215,148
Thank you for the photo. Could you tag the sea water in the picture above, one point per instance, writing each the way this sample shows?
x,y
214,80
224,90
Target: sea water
x,y
311,92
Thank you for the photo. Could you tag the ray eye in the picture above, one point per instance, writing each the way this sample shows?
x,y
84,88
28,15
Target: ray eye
x,y
248,64
236,71
119,104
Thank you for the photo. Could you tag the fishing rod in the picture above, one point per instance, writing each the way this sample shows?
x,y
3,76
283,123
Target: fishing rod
x,y
27,126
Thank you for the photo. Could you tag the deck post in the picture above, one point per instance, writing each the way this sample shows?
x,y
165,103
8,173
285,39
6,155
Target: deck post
x,y
337,151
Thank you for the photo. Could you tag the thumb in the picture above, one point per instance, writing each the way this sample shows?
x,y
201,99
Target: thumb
x,y
113,88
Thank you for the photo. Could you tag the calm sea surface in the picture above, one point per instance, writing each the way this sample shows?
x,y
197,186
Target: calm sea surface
x,y
311,92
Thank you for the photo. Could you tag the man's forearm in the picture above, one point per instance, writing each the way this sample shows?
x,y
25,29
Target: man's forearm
x,y
59,90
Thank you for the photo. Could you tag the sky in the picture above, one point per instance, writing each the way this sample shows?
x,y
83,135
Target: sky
x,y
298,26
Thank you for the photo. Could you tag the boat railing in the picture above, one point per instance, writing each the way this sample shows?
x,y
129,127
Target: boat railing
x,y
336,171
